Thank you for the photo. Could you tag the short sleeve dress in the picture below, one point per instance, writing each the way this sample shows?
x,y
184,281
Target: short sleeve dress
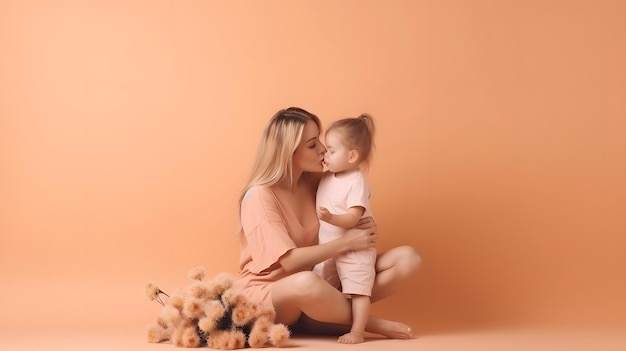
x,y
270,230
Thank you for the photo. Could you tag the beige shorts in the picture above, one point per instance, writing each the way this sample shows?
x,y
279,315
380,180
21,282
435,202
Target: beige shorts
x,y
354,272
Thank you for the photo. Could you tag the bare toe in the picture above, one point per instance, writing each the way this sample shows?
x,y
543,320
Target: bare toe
x,y
351,338
397,330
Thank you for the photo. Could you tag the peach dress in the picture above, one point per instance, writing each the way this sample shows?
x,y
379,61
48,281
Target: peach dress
x,y
270,230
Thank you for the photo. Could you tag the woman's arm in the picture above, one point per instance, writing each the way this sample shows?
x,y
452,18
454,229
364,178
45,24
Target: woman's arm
x,y
303,258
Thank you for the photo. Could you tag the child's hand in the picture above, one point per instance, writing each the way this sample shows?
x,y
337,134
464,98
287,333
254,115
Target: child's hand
x,y
323,214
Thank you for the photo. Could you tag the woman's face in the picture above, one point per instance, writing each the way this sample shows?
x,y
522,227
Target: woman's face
x,y
309,155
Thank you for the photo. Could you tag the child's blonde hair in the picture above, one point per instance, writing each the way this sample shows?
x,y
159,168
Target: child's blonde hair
x,y
358,134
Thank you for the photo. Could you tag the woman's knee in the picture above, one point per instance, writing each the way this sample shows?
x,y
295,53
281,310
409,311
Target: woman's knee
x,y
307,284
408,259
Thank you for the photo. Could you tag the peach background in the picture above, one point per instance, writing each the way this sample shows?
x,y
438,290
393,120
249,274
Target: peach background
x,y
127,129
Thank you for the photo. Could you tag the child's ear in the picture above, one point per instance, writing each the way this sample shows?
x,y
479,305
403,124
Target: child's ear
x,y
353,156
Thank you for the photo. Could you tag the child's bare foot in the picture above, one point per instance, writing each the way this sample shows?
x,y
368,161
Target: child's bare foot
x,y
351,338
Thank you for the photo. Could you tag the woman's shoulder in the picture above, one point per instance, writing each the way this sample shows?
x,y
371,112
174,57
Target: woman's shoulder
x,y
259,193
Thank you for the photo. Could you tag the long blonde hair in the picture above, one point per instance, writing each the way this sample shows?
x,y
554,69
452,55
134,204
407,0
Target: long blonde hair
x,y
280,139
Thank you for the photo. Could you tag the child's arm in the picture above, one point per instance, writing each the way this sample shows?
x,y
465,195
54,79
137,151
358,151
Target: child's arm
x,y
346,220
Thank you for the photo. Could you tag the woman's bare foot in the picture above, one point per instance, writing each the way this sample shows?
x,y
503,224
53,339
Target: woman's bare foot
x,y
390,329
387,328
351,338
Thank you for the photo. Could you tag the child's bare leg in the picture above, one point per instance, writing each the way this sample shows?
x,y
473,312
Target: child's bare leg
x,y
360,314
304,303
302,300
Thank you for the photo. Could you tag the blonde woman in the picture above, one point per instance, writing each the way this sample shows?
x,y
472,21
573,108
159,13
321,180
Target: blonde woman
x,y
279,236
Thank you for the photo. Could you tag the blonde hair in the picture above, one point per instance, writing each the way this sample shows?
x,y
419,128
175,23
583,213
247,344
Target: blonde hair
x,y
358,134
281,137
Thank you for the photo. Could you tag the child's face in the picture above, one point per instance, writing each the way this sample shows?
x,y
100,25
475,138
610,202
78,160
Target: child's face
x,y
337,157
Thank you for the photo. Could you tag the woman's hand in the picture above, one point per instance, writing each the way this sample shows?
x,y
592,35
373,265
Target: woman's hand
x,y
303,258
366,223
361,239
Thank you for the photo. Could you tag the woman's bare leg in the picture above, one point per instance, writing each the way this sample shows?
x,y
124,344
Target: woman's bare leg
x,y
306,298
384,327
393,269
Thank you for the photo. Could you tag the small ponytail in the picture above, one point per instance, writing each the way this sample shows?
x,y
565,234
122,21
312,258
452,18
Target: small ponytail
x,y
369,123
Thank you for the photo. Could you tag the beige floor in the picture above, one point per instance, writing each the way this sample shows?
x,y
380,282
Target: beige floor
x,y
596,339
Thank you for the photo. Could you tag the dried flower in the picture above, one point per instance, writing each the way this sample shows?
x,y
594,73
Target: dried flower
x,y
279,333
200,290
193,308
197,273
171,316
153,292
213,313
156,334
189,338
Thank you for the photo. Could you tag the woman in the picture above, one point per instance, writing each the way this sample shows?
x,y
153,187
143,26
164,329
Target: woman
x,y
279,236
